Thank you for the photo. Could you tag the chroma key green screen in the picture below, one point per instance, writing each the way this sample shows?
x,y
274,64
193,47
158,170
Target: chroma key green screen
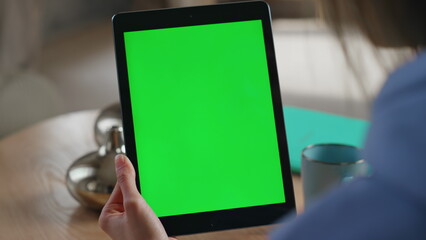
x,y
203,118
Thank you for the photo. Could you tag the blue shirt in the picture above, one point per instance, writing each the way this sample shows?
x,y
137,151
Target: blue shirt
x,y
391,204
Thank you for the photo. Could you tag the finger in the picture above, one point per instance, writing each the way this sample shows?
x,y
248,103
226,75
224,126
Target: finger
x,y
116,196
109,222
126,178
113,206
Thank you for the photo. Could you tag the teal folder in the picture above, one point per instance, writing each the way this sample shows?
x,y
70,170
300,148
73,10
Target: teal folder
x,y
305,127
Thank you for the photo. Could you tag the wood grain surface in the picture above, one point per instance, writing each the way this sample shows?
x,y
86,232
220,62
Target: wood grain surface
x,y
34,201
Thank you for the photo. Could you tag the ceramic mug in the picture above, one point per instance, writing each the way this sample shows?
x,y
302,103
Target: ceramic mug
x,y
325,166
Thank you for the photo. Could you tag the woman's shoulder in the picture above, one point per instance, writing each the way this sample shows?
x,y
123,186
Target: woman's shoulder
x,y
396,139
407,83
413,70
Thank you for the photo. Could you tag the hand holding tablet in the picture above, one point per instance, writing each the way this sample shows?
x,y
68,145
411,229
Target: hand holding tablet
x,y
126,215
202,115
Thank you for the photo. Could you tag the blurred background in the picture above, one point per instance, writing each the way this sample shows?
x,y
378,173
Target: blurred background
x,y
57,56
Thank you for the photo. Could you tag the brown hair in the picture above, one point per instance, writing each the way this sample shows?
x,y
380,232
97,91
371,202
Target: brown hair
x,y
387,23
396,29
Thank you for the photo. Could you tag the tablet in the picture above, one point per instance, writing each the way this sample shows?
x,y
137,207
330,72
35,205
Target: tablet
x,y
202,115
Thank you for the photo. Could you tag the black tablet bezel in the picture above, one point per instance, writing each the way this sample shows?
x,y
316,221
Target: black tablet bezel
x,y
190,16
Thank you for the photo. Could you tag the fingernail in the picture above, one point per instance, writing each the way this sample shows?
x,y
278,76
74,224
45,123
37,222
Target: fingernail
x,y
119,160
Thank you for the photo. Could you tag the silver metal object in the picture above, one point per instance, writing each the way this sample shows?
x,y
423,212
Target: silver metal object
x,y
109,117
91,178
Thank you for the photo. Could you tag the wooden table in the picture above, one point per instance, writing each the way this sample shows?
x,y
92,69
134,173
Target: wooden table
x,y
34,201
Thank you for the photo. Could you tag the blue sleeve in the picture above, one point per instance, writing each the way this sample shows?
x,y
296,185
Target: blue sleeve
x,y
365,209
392,203
396,143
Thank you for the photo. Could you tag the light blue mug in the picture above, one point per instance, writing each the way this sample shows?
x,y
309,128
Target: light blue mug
x,y
325,166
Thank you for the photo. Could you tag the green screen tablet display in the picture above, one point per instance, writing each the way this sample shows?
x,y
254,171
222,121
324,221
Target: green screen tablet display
x,y
203,118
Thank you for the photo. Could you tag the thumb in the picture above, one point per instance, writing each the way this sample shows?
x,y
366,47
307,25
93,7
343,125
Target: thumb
x,y
126,177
